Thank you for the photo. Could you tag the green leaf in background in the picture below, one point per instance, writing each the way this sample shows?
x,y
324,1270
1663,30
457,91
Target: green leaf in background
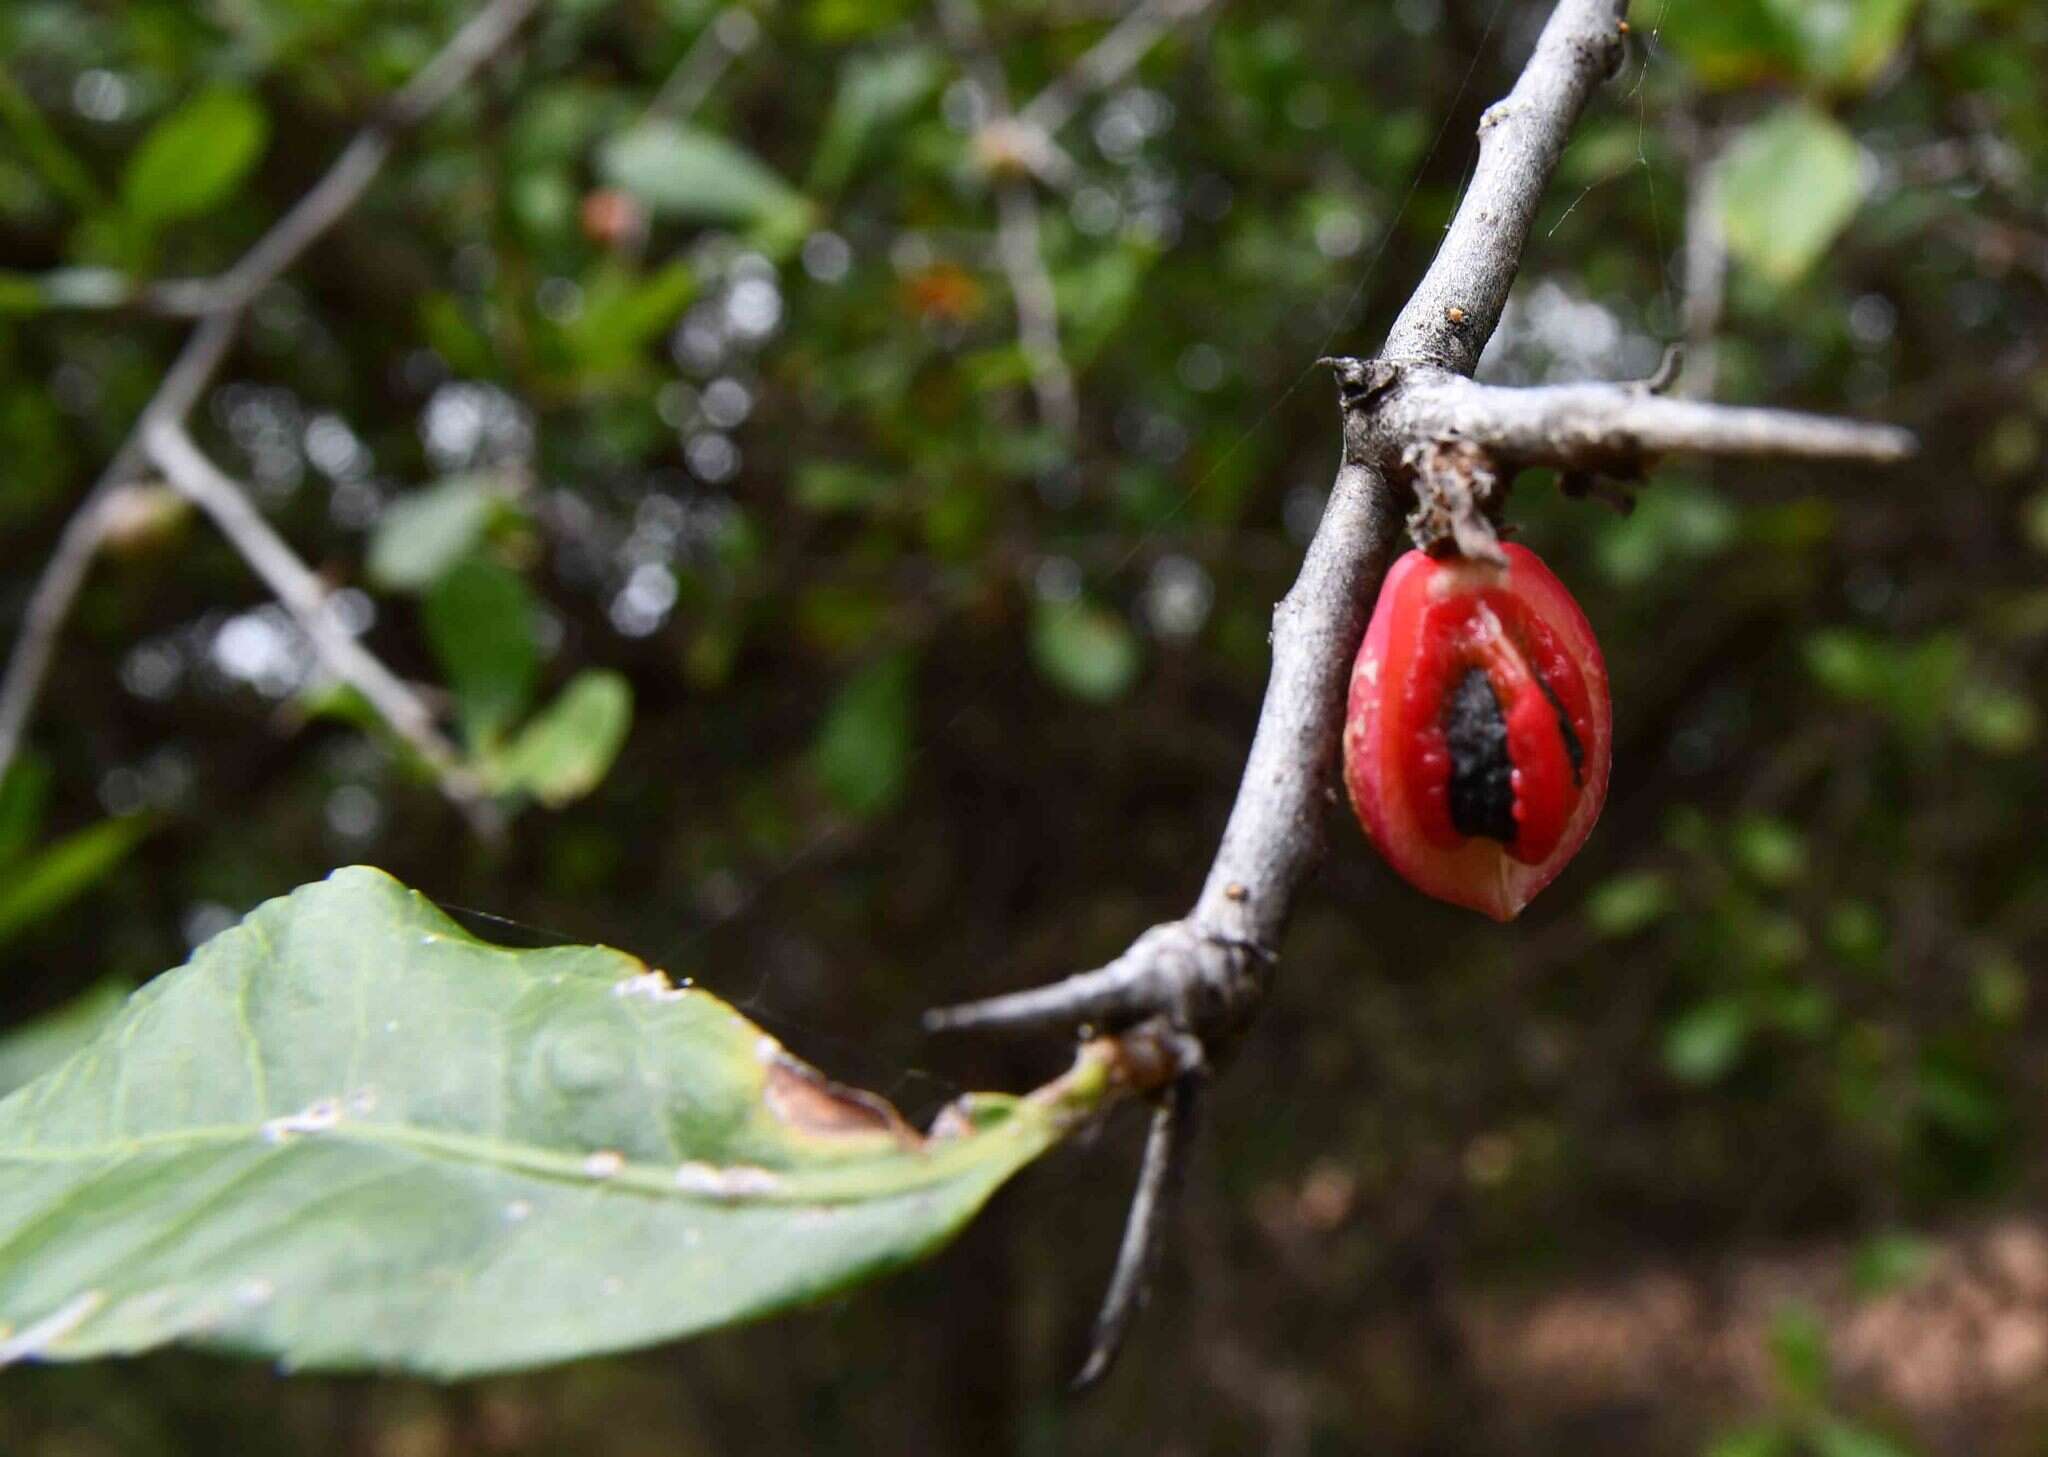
x,y
1629,902
2034,521
41,883
832,485
1787,185
1727,43
1678,523
1837,1438
1770,850
1705,1042
697,176
1087,650
1735,43
347,1134
1845,43
1996,720
27,1052
1767,1439
24,794
1889,1262
421,535
863,748
875,91
567,748
192,159
1799,1352
622,313
1097,296
480,620
1912,681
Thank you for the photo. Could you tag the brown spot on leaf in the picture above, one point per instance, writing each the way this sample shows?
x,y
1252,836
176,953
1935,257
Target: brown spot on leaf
x,y
811,1103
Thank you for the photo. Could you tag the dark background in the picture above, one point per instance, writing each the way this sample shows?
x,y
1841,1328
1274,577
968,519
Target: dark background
x,y
1732,1143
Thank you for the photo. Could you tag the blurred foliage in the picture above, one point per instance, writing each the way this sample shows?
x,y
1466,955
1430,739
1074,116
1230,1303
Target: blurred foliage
x,y
667,420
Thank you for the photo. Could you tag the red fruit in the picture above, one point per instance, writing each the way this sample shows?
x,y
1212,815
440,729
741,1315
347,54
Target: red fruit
x,y
1479,734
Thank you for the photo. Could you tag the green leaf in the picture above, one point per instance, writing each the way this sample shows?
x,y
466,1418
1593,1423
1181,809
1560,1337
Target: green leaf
x,y
346,1134
1085,649
697,176
479,619
193,159
1737,43
1627,903
1678,523
2034,521
1787,185
1799,1353
1764,1440
622,312
62,871
24,794
1836,1438
1705,1042
1096,297
1728,43
569,746
1772,851
27,1052
833,485
838,21
1889,1262
862,750
874,91
423,534
1996,720
1845,43
1912,681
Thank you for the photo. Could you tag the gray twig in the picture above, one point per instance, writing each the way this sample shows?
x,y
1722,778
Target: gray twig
x,y
1106,62
1008,147
299,589
1038,315
731,33
1705,274
219,303
1621,428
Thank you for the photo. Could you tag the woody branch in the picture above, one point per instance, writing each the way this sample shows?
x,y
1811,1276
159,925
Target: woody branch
x,y
1207,973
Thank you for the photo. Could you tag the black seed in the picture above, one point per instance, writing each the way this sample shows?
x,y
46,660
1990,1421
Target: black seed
x,y
1482,785
1574,750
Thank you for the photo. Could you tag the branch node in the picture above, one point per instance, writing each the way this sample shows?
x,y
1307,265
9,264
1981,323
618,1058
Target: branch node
x,y
1361,381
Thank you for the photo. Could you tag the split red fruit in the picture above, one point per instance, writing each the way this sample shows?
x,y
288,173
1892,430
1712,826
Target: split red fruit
x,y
1478,736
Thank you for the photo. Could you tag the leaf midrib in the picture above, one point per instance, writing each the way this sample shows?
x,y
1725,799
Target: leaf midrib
x,y
899,1171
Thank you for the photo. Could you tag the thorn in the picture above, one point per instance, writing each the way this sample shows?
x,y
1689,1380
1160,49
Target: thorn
x,y
1667,371
1166,1148
1109,996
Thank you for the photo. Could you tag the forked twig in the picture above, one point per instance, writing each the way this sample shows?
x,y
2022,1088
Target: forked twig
x,y
219,303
